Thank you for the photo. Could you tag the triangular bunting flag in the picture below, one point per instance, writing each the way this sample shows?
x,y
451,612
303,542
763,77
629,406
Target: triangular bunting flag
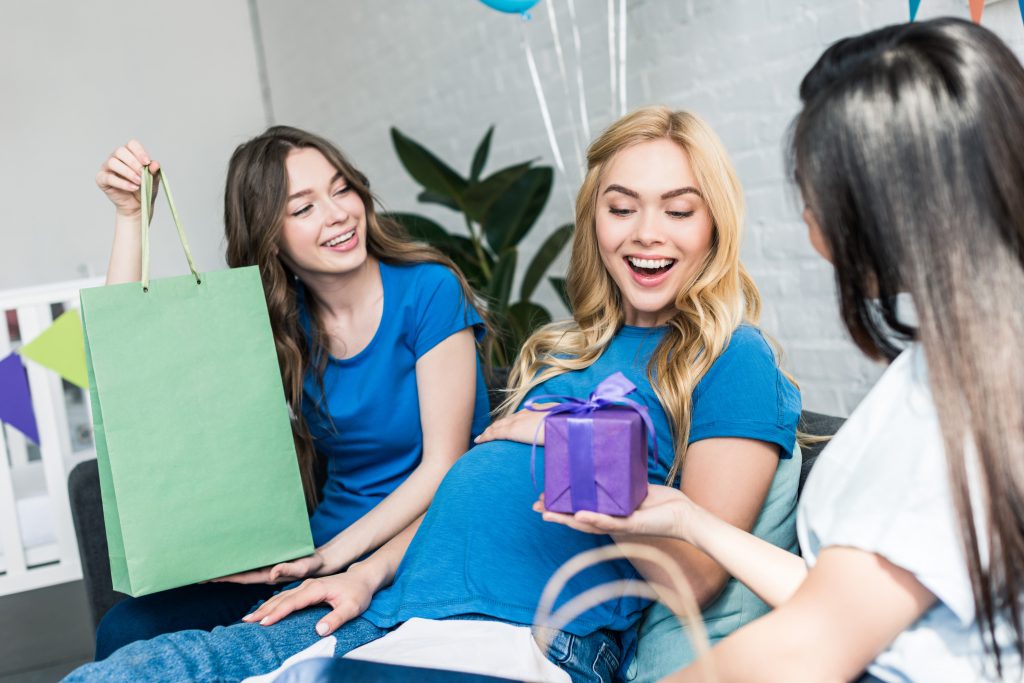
x,y
916,5
15,399
61,347
977,7
1021,2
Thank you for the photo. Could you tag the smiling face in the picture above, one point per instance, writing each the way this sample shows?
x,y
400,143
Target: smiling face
x,y
654,229
324,231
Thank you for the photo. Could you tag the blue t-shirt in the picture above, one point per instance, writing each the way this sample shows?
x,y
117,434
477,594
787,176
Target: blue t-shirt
x,y
373,439
481,549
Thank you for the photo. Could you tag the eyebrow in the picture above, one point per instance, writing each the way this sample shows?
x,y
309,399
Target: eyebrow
x,y
303,193
668,195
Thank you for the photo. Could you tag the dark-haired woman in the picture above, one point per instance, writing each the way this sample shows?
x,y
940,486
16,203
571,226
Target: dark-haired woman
x,y
376,337
909,154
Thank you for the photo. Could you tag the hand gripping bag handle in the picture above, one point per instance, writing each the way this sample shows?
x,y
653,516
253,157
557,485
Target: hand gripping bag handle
x,y
146,201
678,596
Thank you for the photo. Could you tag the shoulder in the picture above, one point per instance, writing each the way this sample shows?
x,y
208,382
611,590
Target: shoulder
x,y
423,285
745,393
748,354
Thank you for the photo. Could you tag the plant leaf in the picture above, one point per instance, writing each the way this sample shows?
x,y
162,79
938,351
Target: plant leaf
x,y
479,197
429,171
480,157
501,280
428,197
512,214
543,259
559,284
525,317
456,247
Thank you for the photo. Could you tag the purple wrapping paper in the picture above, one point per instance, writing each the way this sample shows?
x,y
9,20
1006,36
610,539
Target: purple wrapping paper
x,y
608,474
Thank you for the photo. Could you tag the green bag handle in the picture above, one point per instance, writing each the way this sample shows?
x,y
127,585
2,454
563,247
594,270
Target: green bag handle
x,y
146,200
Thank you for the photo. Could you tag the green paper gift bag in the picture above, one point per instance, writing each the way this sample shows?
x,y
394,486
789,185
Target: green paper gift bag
x,y
197,465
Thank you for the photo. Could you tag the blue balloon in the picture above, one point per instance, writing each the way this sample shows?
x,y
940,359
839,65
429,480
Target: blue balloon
x,y
510,6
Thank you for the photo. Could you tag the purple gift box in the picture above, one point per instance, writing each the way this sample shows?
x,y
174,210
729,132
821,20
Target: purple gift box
x,y
595,452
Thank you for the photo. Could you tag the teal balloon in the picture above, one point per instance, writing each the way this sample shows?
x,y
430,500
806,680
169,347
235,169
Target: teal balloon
x,y
510,6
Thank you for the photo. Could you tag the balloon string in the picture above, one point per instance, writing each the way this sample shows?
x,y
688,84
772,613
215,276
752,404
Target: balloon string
x,y
622,57
584,117
553,23
546,116
611,53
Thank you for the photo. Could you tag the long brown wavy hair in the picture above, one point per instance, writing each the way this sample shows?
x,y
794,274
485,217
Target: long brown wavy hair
x,y
909,152
254,213
718,298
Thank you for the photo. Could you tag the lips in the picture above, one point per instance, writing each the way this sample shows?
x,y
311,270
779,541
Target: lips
x,y
340,239
649,266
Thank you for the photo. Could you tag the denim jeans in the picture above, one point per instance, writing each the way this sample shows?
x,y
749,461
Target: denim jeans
x,y
241,650
202,606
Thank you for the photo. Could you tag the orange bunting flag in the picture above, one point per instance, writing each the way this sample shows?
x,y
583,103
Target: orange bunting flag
x,y
977,6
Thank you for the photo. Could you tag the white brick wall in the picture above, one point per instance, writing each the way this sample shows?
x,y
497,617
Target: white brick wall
x,y
443,72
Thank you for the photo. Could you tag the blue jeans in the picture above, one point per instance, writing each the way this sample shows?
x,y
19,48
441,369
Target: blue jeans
x,y
202,606
242,650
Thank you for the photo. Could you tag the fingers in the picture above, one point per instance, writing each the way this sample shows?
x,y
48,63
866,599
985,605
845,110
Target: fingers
x,y
311,592
136,148
108,179
346,611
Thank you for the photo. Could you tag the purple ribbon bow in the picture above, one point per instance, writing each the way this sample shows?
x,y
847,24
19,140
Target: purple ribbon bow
x,y
610,392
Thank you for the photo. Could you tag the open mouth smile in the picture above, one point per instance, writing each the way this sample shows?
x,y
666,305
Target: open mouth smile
x,y
649,267
341,242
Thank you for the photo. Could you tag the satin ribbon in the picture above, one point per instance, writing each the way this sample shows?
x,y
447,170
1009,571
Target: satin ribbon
x,y
610,392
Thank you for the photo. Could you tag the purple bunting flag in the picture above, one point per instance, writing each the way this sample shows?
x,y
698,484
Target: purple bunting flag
x,y
15,399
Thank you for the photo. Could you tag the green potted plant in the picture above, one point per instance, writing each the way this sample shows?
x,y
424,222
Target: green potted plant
x,y
498,212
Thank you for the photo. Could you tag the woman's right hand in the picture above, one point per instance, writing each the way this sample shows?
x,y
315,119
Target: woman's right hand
x,y
348,594
666,511
120,177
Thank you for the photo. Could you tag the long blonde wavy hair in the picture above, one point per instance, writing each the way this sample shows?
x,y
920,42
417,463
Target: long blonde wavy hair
x,y
715,301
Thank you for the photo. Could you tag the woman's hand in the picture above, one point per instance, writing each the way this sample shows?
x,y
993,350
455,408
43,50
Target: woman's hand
x,y
120,177
520,426
283,572
348,594
665,512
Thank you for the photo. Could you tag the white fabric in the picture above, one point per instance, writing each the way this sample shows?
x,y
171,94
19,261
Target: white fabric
x,y
481,647
881,485
321,648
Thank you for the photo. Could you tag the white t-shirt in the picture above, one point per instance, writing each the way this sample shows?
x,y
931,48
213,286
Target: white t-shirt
x,y
881,485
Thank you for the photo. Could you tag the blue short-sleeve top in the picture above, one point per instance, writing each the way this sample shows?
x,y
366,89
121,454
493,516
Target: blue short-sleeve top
x,y
481,549
365,418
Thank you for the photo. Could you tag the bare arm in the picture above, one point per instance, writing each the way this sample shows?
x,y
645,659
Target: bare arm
x,y
119,178
729,478
851,606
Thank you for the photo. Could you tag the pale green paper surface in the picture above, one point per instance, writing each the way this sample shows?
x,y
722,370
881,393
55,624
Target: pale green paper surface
x,y
197,464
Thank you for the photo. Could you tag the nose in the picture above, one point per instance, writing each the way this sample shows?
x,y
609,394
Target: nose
x,y
647,229
336,210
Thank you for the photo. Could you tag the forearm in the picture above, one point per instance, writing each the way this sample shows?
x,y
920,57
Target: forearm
x,y
767,650
126,253
703,575
380,567
389,517
772,573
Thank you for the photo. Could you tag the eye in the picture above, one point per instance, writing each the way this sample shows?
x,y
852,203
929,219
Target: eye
x,y
619,212
303,211
680,214
341,190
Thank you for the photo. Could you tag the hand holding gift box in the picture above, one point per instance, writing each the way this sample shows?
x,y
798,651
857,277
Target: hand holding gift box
x,y
595,452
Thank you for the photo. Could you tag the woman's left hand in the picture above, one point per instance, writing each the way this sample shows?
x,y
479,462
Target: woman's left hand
x,y
283,572
520,426
665,512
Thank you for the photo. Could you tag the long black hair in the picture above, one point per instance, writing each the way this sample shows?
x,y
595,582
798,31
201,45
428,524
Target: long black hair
x,y
909,153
